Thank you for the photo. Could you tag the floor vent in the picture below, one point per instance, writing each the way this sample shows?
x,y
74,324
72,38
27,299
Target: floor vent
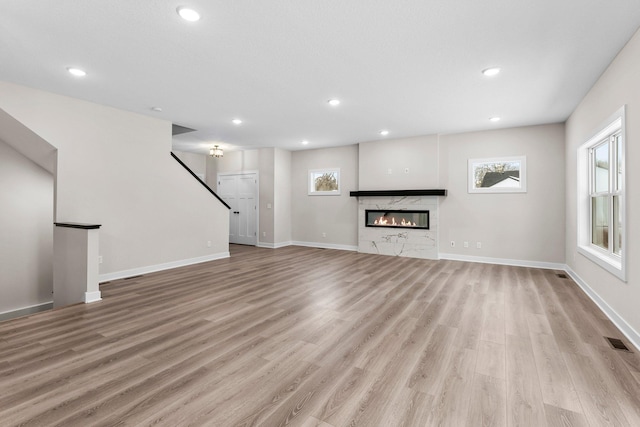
x,y
133,277
617,344
562,275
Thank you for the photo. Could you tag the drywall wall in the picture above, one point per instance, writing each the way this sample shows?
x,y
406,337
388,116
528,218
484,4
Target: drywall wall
x,y
399,164
27,143
266,166
114,168
619,85
232,161
196,162
26,227
282,196
512,226
262,161
336,216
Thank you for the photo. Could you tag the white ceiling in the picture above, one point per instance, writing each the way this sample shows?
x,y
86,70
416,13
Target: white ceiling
x,y
410,66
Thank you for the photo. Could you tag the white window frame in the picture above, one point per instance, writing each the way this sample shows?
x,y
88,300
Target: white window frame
x,y
313,174
605,258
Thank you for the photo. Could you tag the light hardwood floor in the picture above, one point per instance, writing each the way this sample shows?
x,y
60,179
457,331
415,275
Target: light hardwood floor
x,y
311,337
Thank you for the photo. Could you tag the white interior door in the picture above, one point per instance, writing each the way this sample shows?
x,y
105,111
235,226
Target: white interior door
x,y
227,189
240,191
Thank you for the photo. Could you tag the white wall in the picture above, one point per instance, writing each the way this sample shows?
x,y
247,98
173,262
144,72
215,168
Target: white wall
x,y
519,227
26,227
419,155
619,85
263,161
114,168
232,161
196,162
282,196
337,216
515,226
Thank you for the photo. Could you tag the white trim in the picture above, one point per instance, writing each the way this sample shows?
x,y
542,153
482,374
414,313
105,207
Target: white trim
x,y
159,267
90,297
311,191
522,174
25,311
325,246
628,331
257,195
504,261
609,262
273,245
308,245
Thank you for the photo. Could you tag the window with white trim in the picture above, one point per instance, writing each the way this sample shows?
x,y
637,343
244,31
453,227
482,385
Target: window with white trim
x,y
601,201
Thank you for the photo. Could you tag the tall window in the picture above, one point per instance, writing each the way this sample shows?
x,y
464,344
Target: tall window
x,y
601,200
606,187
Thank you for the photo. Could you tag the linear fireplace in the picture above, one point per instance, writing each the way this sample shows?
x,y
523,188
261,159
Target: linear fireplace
x,y
397,218
387,238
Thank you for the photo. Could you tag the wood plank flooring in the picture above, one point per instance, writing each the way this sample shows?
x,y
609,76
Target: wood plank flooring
x,y
312,337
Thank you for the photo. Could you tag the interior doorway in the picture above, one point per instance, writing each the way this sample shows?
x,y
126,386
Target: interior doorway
x,y
240,191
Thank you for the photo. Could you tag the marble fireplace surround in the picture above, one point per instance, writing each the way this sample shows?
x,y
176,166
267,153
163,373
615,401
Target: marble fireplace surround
x,y
412,243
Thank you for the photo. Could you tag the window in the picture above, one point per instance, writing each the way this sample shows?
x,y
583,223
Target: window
x,y
325,182
601,189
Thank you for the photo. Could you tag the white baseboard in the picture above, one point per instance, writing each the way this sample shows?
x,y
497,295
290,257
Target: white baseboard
x,y
273,245
159,267
628,331
325,246
308,245
24,311
90,297
504,261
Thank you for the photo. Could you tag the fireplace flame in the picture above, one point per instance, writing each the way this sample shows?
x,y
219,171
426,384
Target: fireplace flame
x,y
385,221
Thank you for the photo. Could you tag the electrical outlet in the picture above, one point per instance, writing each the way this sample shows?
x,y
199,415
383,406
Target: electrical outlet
x,y
264,234
389,171
465,244
478,245
208,243
453,244
268,205
100,259
324,234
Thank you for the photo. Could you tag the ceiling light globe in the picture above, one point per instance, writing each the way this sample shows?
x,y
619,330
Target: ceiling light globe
x,y
334,102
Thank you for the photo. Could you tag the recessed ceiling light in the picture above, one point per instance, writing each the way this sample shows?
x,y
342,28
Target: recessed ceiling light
x,y
236,121
495,119
305,142
334,102
156,109
384,132
188,14
490,72
76,71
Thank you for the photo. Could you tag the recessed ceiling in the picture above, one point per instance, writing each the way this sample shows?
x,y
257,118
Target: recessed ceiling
x,y
413,66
